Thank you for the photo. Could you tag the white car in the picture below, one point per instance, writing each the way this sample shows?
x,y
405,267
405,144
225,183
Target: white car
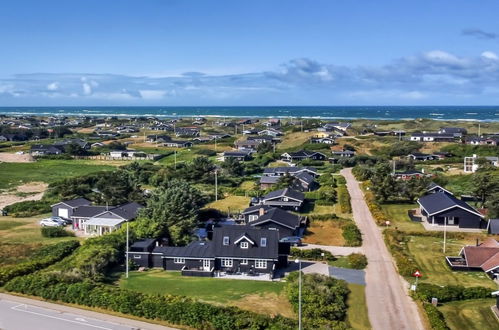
x,y
51,222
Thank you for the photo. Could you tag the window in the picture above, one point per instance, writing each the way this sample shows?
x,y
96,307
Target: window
x,y
179,260
253,217
226,240
260,263
226,262
137,256
263,241
244,261
284,199
244,245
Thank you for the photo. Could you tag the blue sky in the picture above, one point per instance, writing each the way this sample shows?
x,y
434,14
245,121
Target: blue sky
x,y
255,52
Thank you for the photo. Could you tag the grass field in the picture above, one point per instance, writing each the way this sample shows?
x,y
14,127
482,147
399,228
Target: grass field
x,y
14,174
295,139
397,214
357,308
324,233
470,315
232,203
428,254
258,296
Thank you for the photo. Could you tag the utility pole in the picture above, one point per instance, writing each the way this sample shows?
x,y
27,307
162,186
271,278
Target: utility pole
x,y
445,232
175,158
216,185
127,238
299,293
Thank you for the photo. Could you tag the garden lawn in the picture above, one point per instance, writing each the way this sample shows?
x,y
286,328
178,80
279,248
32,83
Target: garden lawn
x,y
326,232
357,308
232,203
295,139
14,174
258,296
470,315
397,214
428,254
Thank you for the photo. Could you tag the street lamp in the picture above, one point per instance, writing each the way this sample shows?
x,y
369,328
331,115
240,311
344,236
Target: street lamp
x,y
298,261
127,235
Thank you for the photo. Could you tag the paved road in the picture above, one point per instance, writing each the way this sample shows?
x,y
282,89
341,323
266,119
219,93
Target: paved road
x,y
335,250
18,313
389,306
355,276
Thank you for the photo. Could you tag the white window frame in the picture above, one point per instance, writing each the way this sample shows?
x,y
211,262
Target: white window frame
x,y
263,242
179,260
285,199
226,240
137,256
243,262
260,264
227,262
253,217
244,245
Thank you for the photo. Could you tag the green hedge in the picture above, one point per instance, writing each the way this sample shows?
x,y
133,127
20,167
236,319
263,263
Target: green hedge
x,y
28,208
357,260
172,309
397,242
344,199
352,235
312,254
426,291
55,232
436,318
45,257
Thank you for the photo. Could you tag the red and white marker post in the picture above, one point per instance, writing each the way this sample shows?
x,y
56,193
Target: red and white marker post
x,y
417,274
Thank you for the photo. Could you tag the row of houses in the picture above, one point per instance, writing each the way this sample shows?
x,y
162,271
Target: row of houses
x,y
58,147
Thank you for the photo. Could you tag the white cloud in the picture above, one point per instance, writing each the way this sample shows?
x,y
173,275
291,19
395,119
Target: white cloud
x,y
490,55
87,89
53,86
150,94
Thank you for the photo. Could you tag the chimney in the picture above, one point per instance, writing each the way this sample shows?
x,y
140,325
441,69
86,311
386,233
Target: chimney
x,y
261,211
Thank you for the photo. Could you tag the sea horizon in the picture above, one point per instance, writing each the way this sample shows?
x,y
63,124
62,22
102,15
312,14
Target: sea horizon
x,y
454,113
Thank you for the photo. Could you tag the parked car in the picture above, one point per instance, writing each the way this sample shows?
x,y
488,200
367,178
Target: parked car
x,y
52,222
65,221
293,240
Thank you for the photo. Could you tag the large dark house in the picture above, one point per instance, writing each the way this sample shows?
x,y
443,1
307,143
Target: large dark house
x,y
284,198
291,170
233,250
286,223
302,155
442,208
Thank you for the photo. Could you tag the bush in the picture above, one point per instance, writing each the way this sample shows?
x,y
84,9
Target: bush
x,y
173,309
42,259
357,260
352,235
344,200
312,254
28,208
206,152
436,318
55,232
426,291
405,264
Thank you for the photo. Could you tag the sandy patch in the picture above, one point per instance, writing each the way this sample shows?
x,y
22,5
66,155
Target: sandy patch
x,y
15,158
37,190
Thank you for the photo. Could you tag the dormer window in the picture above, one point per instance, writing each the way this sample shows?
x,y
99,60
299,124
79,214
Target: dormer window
x,y
226,240
244,245
285,199
263,241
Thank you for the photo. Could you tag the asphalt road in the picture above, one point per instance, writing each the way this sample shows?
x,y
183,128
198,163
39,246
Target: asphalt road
x,y
388,303
24,314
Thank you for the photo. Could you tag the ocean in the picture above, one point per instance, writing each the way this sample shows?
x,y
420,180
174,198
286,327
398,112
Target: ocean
x,y
471,113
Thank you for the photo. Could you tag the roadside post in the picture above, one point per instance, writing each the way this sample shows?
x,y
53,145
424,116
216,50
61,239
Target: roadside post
x,y
417,274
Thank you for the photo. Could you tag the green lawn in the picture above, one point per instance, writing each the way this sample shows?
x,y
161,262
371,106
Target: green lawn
x,y
258,296
357,308
234,203
470,315
14,174
397,214
428,254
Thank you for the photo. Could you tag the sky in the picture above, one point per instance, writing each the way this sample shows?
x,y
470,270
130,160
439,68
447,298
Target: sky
x,y
258,52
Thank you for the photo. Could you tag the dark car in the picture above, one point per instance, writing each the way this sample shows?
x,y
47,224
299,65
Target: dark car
x,y
293,240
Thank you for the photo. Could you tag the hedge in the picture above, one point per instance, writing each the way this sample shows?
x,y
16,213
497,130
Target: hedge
x,y
357,260
28,208
55,232
405,264
172,309
436,318
312,254
344,199
45,257
426,291
352,235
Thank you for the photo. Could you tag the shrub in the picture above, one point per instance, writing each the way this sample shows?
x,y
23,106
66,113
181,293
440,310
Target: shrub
x,y
357,260
45,257
55,232
426,291
206,152
344,199
312,254
28,208
436,318
352,235
405,264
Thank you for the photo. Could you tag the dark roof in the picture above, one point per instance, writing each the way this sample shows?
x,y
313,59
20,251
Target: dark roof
x,y
286,192
88,211
305,177
288,169
199,249
269,179
255,208
494,226
270,251
144,243
305,153
438,202
278,216
432,186
76,202
236,154
127,211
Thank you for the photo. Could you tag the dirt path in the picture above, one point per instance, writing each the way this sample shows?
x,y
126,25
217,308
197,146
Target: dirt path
x,y
389,306
36,189
15,158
